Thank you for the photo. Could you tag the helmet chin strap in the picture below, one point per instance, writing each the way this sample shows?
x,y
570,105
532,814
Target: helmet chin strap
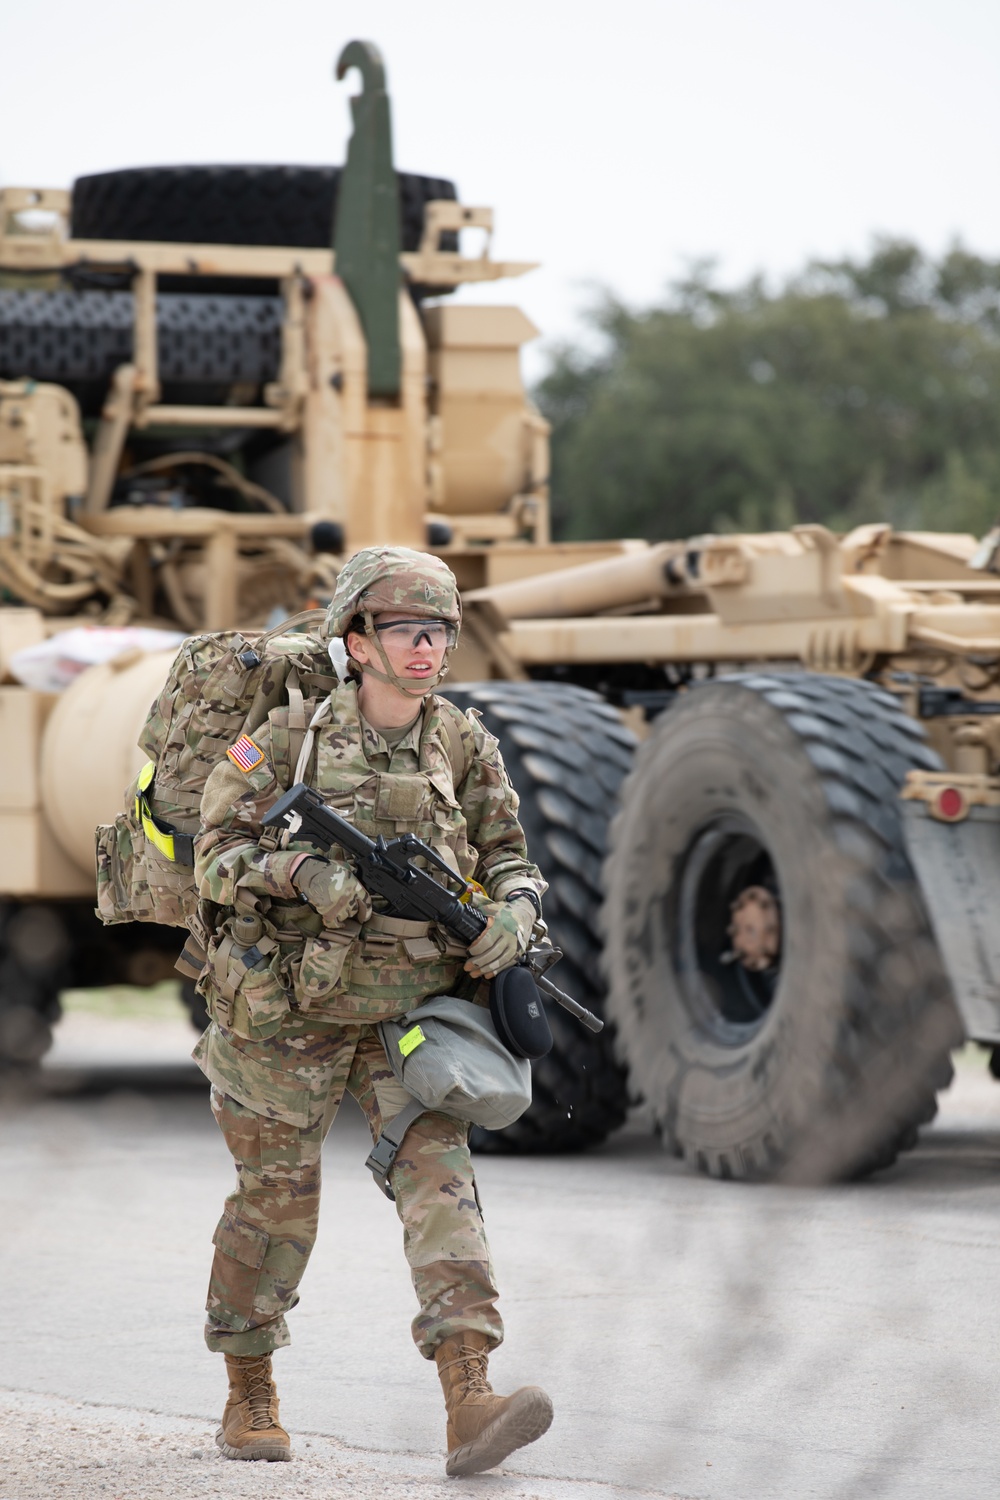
x,y
405,685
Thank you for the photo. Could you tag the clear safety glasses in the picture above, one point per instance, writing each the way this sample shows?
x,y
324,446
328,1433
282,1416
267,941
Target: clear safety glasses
x,y
404,633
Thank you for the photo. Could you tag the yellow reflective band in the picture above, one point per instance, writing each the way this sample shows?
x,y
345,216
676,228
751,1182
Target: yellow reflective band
x,y
159,834
411,1040
160,840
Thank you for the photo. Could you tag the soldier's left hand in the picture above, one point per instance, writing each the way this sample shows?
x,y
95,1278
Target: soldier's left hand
x,y
503,940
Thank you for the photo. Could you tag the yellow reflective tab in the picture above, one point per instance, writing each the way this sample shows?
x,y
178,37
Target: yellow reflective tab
x,y
472,888
160,840
160,835
143,782
411,1040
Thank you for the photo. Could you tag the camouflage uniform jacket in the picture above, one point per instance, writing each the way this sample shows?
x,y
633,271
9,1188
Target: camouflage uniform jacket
x,y
344,971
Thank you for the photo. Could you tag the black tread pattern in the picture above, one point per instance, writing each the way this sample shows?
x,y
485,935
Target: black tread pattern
x,y
77,339
46,948
861,743
233,205
567,753
34,954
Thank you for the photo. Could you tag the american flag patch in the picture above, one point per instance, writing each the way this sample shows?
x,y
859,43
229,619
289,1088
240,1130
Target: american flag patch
x,y
245,753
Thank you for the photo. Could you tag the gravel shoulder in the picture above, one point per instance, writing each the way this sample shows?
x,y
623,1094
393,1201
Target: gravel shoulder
x,y
55,1448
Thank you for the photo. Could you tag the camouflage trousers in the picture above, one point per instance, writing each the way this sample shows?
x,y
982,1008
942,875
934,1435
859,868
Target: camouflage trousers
x,y
274,1102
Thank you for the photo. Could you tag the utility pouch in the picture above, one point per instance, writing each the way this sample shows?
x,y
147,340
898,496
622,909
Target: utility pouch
x,y
325,966
447,1054
448,1057
519,1014
243,979
122,890
167,856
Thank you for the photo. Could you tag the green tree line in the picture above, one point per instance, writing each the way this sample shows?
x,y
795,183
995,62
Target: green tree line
x,y
859,390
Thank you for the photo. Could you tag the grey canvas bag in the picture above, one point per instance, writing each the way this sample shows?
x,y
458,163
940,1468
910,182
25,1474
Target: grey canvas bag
x,y
448,1057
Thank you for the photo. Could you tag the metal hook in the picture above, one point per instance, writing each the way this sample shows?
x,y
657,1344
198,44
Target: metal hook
x,y
366,57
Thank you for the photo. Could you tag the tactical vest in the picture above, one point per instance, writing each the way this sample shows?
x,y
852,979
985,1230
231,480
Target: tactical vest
x,y
355,973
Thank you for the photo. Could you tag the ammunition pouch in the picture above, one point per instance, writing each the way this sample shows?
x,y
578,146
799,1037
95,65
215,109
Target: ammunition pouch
x,y
368,973
243,980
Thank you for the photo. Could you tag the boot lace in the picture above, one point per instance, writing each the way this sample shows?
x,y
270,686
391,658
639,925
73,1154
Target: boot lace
x,y
259,1392
474,1366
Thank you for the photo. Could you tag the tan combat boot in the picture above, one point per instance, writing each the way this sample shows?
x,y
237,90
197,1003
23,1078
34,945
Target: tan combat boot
x,y
483,1428
250,1426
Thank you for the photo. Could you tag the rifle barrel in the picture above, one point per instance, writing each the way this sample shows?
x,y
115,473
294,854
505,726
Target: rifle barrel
x,y
592,1022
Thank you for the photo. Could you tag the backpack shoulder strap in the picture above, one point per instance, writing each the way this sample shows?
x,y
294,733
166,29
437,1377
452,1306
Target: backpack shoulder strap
x,y
296,715
460,754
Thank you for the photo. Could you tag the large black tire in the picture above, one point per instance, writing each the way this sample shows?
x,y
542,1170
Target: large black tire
x,y
34,964
567,753
232,205
47,947
206,344
823,1064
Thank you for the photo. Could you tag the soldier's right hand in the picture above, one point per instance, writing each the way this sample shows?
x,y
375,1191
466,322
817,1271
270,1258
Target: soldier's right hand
x,y
332,890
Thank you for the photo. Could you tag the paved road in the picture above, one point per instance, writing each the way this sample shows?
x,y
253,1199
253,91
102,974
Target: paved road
x,y
699,1339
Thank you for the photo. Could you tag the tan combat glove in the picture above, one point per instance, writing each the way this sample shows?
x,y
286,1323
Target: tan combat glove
x,y
504,940
332,890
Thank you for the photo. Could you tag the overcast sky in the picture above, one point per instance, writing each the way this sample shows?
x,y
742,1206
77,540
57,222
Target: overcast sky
x,y
615,141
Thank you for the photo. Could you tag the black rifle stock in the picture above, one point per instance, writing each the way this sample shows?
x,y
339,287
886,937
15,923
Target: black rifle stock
x,y
384,867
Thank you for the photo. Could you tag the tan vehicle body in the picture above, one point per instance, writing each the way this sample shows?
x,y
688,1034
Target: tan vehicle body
x,y
457,461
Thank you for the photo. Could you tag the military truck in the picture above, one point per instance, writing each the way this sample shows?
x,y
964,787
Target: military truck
x,y
218,382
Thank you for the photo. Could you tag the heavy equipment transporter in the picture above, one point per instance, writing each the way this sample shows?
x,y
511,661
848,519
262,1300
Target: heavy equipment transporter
x,y
218,382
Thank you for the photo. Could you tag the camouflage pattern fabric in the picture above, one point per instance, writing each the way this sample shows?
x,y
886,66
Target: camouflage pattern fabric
x,y
384,578
213,693
300,1032
274,1103
346,971
122,889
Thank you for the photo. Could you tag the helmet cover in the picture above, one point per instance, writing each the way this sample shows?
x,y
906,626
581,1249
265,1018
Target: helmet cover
x,y
377,579
383,578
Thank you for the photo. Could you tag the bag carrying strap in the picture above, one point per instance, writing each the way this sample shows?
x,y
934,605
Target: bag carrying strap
x,y
382,1157
461,759
322,713
296,715
295,624
192,958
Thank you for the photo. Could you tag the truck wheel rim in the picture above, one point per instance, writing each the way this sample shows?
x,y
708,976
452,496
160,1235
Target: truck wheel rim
x,y
726,862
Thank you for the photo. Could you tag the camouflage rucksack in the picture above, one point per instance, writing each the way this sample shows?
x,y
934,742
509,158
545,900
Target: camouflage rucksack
x,y
220,686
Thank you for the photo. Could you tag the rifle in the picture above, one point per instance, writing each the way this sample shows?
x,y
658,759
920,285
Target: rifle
x,y
385,868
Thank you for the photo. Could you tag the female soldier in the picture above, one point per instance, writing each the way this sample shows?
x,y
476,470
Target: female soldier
x,y
295,1031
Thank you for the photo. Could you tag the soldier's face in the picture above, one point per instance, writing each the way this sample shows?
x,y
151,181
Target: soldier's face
x,y
415,648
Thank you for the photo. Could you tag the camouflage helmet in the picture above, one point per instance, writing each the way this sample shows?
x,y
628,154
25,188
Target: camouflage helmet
x,y
397,578
382,578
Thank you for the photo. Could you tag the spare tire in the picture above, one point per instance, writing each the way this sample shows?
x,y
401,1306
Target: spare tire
x,y
227,205
207,345
777,989
567,753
